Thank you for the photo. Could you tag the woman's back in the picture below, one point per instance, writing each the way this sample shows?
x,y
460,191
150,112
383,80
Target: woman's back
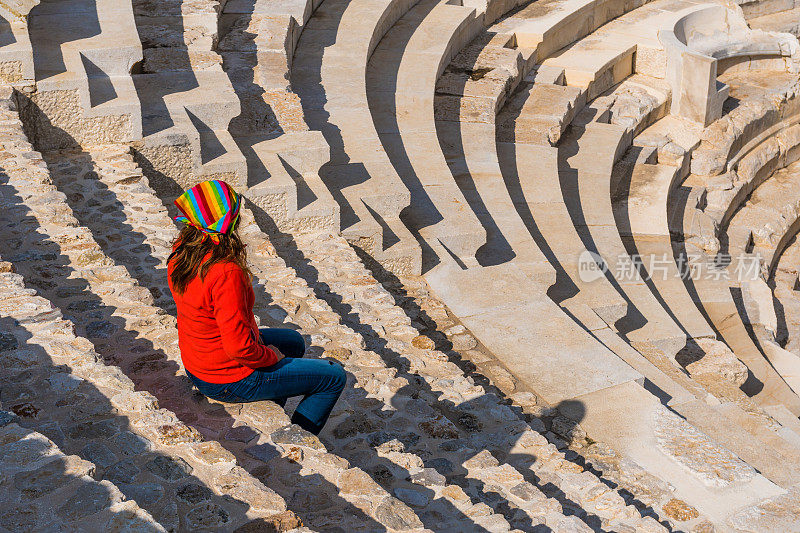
x,y
215,323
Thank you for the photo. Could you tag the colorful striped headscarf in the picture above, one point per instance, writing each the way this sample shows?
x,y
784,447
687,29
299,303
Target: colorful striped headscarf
x,y
211,206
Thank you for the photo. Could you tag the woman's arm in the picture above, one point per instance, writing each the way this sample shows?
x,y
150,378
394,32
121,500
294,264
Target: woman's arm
x,y
233,315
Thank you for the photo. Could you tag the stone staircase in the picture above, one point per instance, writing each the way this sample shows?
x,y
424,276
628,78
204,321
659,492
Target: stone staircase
x,y
518,156
188,98
283,156
83,52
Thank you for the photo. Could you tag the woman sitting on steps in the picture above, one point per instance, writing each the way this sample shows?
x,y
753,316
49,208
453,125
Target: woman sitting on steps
x,y
225,354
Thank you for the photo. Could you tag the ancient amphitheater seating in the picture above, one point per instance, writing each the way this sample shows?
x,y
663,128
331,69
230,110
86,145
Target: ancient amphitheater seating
x,y
188,97
83,52
489,212
778,16
328,74
257,43
401,80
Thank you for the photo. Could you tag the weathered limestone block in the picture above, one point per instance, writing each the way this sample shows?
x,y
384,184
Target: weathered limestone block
x,y
711,464
712,359
237,483
752,118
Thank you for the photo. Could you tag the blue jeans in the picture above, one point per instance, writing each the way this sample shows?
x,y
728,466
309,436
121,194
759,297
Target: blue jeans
x,y
320,382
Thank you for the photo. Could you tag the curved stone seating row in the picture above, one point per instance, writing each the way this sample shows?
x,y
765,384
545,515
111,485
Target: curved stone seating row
x,y
189,100
647,194
555,25
763,225
329,75
707,332
83,55
735,437
152,447
758,232
698,229
726,194
759,309
698,46
708,415
483,108
401,81
763,112
710,291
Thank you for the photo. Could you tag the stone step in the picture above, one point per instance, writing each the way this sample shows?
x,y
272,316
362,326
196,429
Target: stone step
x,y
540,175
649,236
478,172
401,81
790,426
300,10
38,476
188,115
553,25
189,100
285,182
746,435
648,326
783,21
637,103
329,76
283,158
85,38
16,53
787,306
17,9
539,113
594,65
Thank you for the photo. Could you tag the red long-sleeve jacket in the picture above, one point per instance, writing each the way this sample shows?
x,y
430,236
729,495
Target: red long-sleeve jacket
x,y
217,332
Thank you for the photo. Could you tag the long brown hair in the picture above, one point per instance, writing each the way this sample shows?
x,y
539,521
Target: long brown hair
x,y
194,254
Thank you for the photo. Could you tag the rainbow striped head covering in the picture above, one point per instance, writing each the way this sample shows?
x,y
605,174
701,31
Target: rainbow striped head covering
x,y
211,206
